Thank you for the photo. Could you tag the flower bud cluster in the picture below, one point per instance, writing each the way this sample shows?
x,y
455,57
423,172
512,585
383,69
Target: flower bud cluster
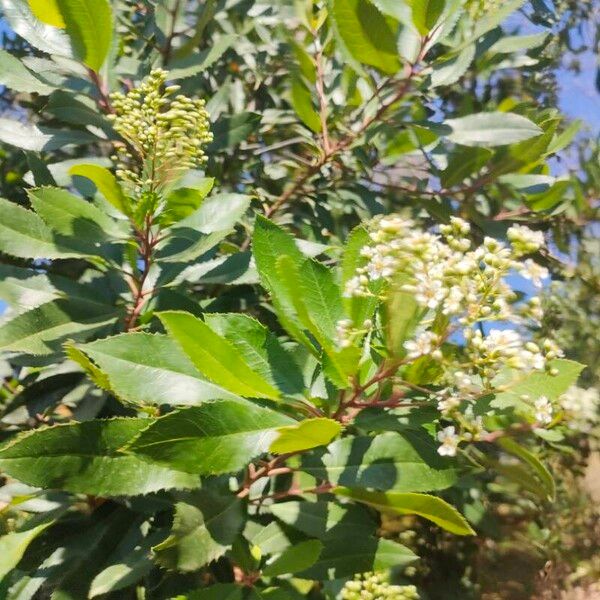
x,y
346,333
376,586
165,133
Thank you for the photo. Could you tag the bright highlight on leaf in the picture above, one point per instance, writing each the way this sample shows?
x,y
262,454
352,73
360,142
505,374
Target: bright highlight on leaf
x,y
48,11
305,435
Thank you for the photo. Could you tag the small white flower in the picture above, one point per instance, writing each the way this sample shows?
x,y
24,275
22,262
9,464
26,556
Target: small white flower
x,y
534,272
421,345
525,240
543,410
448,404
449,441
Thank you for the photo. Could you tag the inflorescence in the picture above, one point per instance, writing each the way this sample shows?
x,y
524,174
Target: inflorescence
x,y
376,586
458,289
165,134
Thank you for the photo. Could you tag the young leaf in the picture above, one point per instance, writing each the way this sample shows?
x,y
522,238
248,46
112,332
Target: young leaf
x,y
85,458
429,507
305,435
182,202
151,369
366,33
426,14
301,99
205,525
403,462
217,437
106,183
89,24
48,11
491,129
215,357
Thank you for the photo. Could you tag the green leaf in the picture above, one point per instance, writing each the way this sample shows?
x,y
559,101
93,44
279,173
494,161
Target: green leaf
x,y
215,357
25,235
451,70
217,437
305,435
205,525
345,556
89,24
296,558
151,369
429,507
260,349
17,77
14,545
464,162
86,458
74,217
76,109
131,562
42,329
200,61
426,14
301,99
541,472
401,317
204,228
513,43
47,11
41,139
535,384
403,462
106,183
366,33
40,35
326,520
182,202
230,130
491,129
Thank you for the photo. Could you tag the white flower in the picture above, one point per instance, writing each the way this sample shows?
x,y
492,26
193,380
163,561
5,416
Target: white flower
x,y
534,272
421,345
448,404
543,410
581,407
449,441
353,287
525,240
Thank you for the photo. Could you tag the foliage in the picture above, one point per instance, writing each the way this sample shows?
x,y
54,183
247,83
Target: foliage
x,y
233,393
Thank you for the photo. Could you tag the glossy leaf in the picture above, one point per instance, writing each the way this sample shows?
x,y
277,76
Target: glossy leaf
x,y
296,558
215,357
217,437
366,33
404,462
429,507
86,458
204,527
151,369
305,435
491,129
106,183
16,76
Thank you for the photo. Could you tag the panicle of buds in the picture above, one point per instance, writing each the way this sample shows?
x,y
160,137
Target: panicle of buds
x,y
165,133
